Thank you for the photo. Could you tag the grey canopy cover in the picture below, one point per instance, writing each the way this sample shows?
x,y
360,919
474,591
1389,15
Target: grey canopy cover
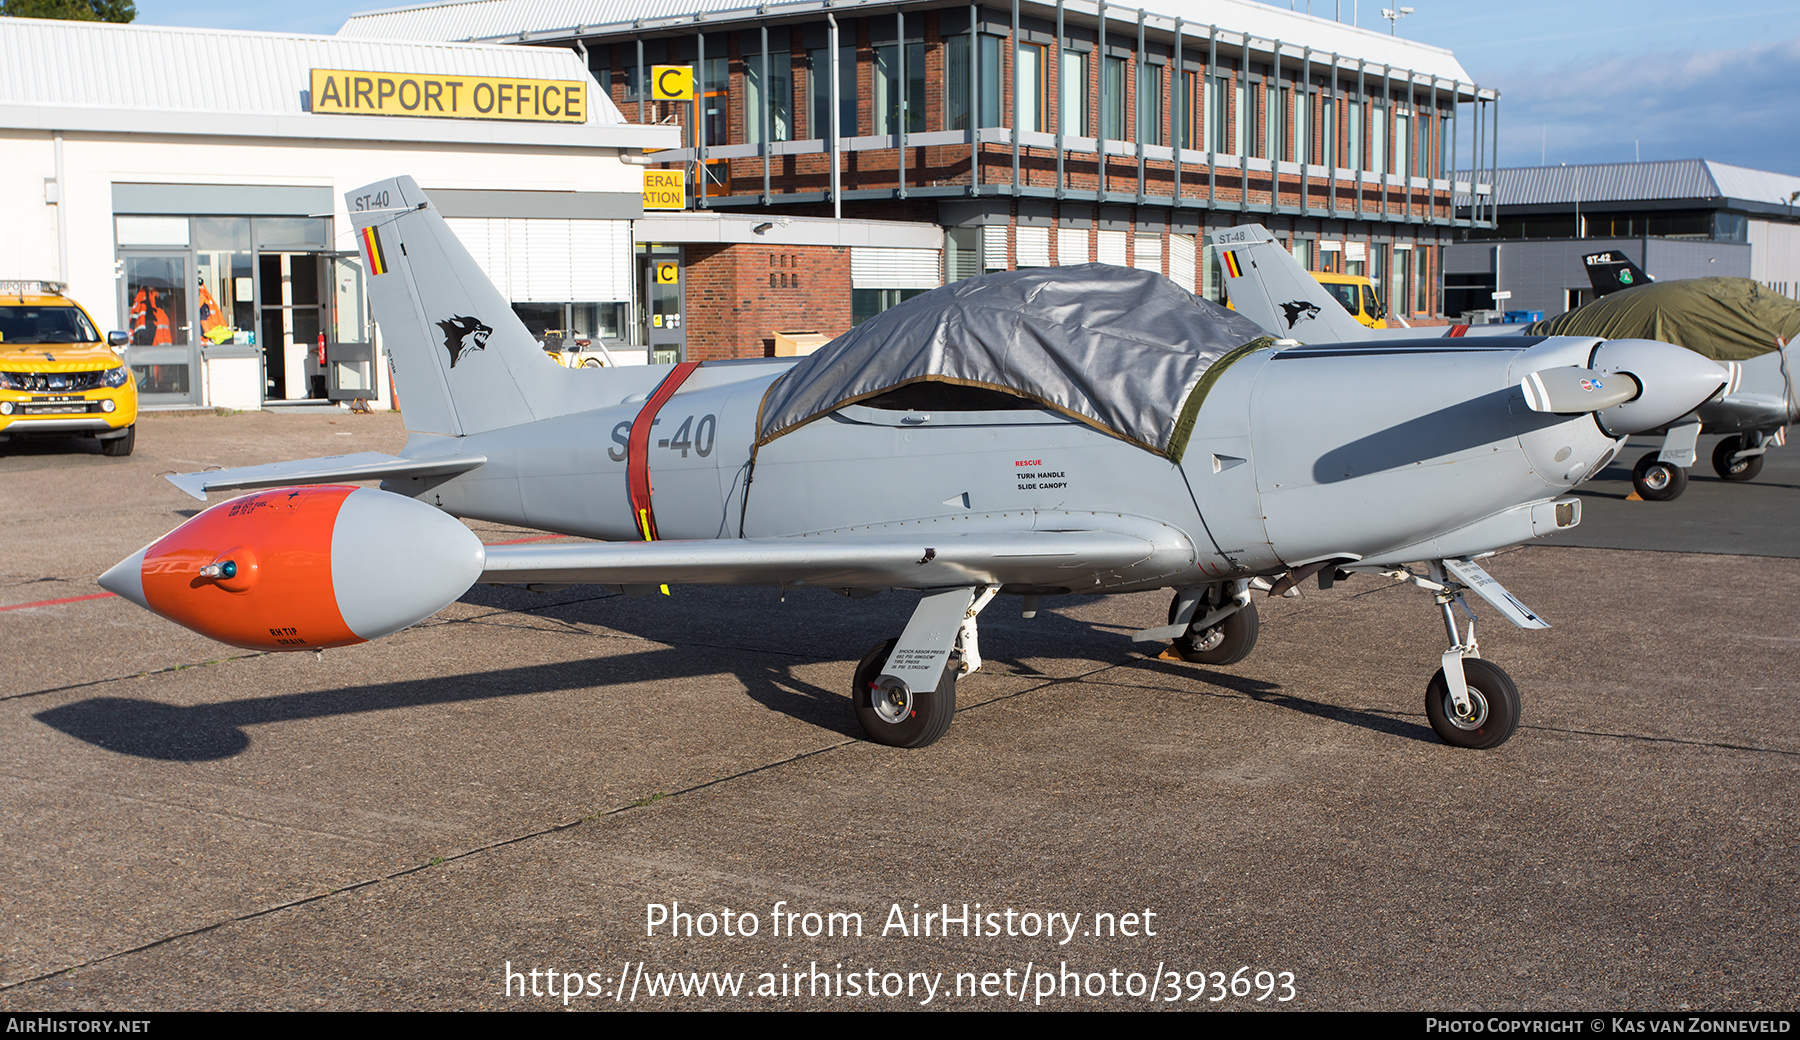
x,y
1114,347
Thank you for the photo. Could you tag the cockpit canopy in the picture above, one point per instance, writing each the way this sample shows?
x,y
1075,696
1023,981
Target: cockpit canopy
x,y
1116,348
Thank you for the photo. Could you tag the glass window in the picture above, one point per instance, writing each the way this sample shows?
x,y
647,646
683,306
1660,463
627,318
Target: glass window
x,y
1355,112
1073,90
1302,149
293,234
1150,103
780,97
962,253
1378,139
1216,90
1402,157
956,89
1328,132
715,91
1112,115
886,104
866,303
819,64
1028,87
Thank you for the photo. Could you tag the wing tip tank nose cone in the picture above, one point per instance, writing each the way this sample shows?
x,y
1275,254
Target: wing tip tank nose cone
x,y
126,578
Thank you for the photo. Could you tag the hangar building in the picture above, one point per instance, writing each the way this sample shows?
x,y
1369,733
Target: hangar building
x,y
1682,218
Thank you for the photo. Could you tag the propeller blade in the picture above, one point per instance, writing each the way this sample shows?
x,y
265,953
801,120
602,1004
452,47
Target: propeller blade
x,y
1565,390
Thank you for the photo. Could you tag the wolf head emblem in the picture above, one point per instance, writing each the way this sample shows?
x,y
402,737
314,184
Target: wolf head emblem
x,y
462,335
1297,311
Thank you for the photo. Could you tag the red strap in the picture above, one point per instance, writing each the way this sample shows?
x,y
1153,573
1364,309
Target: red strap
x,y
637,449
1456,331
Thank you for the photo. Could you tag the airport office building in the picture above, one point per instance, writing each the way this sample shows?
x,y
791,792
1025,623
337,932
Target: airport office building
x,y
1031,132
187,185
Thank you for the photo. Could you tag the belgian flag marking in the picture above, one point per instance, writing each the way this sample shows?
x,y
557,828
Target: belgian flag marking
x,y
372,246
1231,264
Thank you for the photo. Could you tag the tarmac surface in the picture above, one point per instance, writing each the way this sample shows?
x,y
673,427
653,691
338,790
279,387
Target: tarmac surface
x,y
515,785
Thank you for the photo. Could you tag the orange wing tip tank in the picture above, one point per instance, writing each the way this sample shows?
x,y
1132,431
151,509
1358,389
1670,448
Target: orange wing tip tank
x,y
304,568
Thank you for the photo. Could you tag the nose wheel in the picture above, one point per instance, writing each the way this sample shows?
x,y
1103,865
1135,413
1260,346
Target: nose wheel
x,y
1492,711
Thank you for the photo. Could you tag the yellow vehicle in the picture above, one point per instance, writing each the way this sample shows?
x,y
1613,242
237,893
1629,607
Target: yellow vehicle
x,y
1357,294
58,377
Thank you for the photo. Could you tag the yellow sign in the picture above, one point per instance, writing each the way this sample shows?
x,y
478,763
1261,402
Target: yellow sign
x,y
667,274
665,189
672,82
340,92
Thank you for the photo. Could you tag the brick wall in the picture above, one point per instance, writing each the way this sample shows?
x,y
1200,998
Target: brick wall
x,y
739,295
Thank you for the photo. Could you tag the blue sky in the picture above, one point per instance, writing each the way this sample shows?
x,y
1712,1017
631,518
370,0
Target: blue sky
x,y
1580,81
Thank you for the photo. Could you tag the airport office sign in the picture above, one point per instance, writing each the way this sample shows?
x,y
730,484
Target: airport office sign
x,y
351,93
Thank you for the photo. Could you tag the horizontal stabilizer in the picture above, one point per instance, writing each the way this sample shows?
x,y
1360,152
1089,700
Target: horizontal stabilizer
x,y
1068,558
367,465
1567,390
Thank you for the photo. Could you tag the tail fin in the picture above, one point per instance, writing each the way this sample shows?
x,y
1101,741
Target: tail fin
x,y
1268,286
463,362
1612,270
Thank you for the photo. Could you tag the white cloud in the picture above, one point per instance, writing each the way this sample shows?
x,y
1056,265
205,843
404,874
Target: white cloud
x,y
1735,106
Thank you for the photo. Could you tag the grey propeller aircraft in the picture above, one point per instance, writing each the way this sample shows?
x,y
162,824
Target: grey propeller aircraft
x,y
1061,431
1745,328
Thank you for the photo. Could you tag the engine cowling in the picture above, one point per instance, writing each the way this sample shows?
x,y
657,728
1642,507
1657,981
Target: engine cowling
x,y
304,568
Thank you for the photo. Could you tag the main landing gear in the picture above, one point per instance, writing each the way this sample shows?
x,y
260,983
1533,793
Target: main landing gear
x,y
1740,458
905,689
1215,624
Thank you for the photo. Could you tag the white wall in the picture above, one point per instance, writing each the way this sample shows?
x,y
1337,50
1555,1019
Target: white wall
x,y
94,162
1775,255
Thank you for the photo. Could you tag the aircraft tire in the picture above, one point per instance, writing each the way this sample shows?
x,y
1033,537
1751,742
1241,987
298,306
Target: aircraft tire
x,y
1744,469
930,713
1227,642
1658,481
1493,697
119,447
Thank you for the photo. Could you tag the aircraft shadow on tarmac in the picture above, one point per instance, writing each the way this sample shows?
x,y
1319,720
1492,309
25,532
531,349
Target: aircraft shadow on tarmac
x,y
757,656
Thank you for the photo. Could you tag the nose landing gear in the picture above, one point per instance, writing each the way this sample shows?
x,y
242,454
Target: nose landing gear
x,y
1470,702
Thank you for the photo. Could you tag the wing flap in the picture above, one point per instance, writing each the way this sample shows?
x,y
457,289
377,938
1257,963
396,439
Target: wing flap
x,y
367,465
1064,558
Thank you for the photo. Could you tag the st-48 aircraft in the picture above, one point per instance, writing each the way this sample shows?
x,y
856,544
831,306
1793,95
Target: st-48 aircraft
x,y
1743,326
1064,431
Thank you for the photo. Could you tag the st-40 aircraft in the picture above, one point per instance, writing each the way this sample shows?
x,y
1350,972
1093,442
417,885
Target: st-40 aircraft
x,y
1049,432
1743,326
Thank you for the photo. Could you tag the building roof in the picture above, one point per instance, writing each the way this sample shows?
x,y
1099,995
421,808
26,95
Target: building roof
x,y
523,20
1662,181
57,75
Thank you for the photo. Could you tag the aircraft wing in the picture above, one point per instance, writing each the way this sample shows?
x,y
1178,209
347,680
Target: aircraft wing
x,y
1745,410
367,465
929,559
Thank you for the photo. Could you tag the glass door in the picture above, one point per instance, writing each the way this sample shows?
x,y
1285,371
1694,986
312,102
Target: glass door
x,y
349,348
159,302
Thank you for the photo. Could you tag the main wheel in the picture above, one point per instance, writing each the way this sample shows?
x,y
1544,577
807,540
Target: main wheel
x,y
1227,642
120,446
1742,469
1656,480
898,717
1493,707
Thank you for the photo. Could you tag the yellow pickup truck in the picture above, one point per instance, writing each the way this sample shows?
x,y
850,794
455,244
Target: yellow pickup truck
x,y
58,376
1357,294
